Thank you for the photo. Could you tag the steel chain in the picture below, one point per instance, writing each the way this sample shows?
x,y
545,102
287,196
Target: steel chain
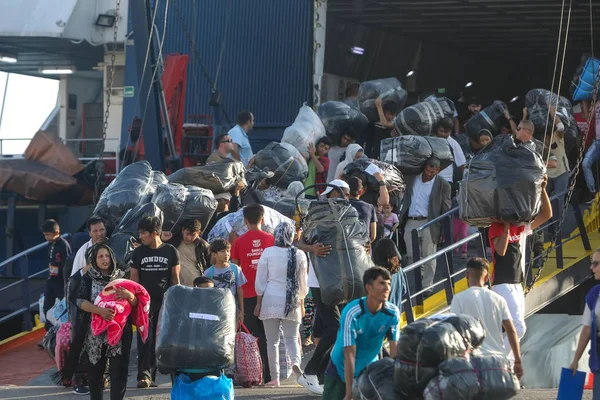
x,y
113,56
546,253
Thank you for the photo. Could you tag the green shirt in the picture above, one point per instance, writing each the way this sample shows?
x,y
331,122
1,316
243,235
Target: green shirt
x,y
310,179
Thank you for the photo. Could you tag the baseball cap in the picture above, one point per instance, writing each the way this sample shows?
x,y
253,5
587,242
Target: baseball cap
x,y
336,182
223,196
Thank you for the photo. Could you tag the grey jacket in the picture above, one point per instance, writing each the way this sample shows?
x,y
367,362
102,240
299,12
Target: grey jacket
x,y
439,203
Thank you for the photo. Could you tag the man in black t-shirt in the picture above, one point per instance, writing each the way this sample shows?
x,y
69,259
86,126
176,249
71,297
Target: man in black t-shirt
x,y
155,265
58,251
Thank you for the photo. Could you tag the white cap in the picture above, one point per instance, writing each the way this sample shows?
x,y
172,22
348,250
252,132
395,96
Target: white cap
x,y
336,182
224,196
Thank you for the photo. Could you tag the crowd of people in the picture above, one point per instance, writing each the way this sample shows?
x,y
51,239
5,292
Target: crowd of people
x,y
273,280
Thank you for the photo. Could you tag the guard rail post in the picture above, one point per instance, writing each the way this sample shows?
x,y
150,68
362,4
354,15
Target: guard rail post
x,y
580,223
416,256
447,234
556,230
11,210
27,324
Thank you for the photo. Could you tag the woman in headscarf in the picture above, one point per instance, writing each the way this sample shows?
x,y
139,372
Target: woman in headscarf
x,y
281,285
90,350
353,152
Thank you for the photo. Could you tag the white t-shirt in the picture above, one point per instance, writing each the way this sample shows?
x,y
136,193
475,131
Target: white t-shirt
x,y
490,308
79,261
459,160
419,202
586,319
312,277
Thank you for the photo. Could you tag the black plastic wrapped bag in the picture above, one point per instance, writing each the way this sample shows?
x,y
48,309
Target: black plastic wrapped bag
x,y
336,223
49,340
422,118
469,328
134,185
456,380
339,118
440,148
538,102
218,177
410,153
180,203
285,161
438,343
496,378
306,129
489,118
129,222
375,382
196,329
502,182
410,379
393,177
389,89
288,207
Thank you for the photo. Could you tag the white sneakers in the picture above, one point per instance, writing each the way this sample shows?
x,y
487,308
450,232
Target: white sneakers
x,y
310,383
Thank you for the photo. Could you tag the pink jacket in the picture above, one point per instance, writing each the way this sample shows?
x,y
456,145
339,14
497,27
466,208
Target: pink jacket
x,y
107,299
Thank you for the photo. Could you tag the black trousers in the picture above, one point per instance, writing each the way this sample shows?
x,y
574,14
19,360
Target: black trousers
x,y
256,328
330,320
118,370
147,351
55,289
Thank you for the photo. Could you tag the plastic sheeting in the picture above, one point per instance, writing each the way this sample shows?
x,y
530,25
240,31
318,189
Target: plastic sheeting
x,y
285,161
422,118
134,185
502,182
196,329
207,388
389,89
409,153
538,102
376,382
457,380
219,177
582,85
336,223
288,207
33,180
489,118
180,203
392,175
306,129
47,149
339,118
496,378
234,222
469,328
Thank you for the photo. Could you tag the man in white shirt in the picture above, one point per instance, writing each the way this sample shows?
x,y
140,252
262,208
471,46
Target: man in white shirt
x,y
444,129
242,151
97,231
427,197
491,309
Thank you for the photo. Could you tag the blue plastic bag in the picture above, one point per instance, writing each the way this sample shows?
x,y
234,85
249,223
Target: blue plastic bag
x,y
207,388
60,311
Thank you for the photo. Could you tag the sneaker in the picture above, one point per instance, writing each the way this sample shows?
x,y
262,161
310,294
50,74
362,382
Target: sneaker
x,y
310,383
81,390
143,383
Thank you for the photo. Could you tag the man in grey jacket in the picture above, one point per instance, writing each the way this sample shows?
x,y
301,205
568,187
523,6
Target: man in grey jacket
x,y
427,197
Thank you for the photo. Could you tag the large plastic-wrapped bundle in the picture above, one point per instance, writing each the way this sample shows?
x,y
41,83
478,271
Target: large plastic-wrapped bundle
x,y
582,85
503,182
422,118
538,102
489,118
496,378
121,240
392,175
180,203
285,161
306,129
219,177
389,89
438,343
375,382
131,187
339,118
336,223
196,329
469,328
409,153
234,222
457,380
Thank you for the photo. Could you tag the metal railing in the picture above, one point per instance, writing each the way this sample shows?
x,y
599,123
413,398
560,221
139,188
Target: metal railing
x,y
448,271
26,301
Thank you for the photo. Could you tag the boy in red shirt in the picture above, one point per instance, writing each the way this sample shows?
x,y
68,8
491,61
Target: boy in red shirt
x,y
246,252
318,166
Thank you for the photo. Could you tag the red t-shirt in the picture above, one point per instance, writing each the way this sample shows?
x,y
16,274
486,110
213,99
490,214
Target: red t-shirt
x,y
322,177
247,249
507,268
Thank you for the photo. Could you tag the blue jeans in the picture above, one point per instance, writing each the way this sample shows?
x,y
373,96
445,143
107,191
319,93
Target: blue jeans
x,y
592,155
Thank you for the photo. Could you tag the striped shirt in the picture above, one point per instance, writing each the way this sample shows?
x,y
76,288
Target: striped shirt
x,y
366,331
